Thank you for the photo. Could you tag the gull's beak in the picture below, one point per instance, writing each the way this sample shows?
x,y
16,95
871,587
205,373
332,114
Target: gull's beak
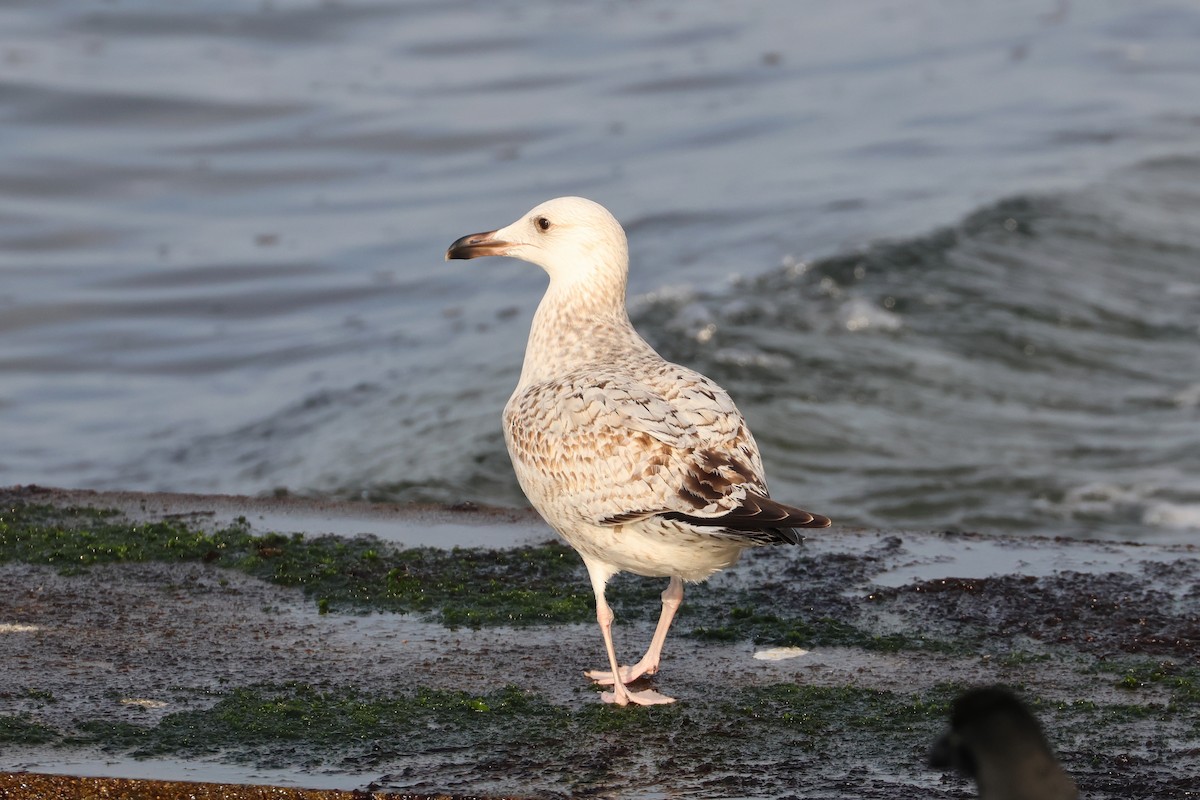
x,y
474,245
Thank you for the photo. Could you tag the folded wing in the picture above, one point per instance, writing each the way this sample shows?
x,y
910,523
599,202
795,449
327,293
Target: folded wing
x,y
623,452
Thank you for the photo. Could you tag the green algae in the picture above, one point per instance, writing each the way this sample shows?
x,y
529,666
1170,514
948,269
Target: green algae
x,y
261,722
1181,683
474,587
80,537
579,744
469,587
719,737
258,721
23,730
458,587
816,710
265,723
1019,658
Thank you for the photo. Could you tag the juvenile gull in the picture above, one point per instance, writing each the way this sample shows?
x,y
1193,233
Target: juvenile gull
x,y
641,465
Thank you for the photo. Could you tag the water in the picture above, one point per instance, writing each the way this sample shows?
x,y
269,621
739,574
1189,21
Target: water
x,y
944,255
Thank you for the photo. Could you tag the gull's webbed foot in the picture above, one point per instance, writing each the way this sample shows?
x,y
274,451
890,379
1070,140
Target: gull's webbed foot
x,y
646,697
604,677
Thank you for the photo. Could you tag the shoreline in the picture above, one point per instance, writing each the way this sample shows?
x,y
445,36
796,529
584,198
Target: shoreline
x,y
153,663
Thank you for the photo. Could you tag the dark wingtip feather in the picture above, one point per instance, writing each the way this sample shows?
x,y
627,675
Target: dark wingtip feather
x,y
758,515
817,521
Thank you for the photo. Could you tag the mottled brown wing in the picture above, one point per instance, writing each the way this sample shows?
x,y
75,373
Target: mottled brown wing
x,y
603,446
616,451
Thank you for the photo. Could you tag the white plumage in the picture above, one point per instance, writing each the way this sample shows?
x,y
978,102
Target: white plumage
x,y
640,464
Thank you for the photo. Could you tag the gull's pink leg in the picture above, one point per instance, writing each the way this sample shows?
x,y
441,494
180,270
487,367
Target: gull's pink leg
x,y
620,694
672,597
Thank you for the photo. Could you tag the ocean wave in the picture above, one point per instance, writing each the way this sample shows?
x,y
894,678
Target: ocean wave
x,y
1019,351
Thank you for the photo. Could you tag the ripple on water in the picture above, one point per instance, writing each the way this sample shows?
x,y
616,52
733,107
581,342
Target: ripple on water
x,y
212,214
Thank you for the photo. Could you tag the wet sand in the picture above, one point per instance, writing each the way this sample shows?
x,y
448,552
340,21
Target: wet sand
x,y
137,644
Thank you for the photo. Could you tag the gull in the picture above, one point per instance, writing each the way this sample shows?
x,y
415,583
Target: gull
x,y
641,465
994,739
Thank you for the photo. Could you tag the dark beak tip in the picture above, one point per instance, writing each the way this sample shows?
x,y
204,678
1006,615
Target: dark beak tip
x,y
474,245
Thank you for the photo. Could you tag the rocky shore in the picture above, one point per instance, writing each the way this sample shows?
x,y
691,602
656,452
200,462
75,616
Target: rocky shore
x,y
291,643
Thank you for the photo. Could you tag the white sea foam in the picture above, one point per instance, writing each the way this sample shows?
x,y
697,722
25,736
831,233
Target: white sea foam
x,y
1176,516
859,314
1141,502
1188,397
750,358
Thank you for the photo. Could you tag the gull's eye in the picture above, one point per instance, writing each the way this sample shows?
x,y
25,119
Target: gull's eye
x,y
543,223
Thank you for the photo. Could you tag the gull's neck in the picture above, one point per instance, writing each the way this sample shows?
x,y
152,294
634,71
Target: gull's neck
x,y
580,321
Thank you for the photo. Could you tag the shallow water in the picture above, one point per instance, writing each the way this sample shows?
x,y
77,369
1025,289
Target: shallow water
x,y
222,227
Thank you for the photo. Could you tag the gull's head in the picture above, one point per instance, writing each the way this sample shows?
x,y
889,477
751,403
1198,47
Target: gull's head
x,y
569,237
